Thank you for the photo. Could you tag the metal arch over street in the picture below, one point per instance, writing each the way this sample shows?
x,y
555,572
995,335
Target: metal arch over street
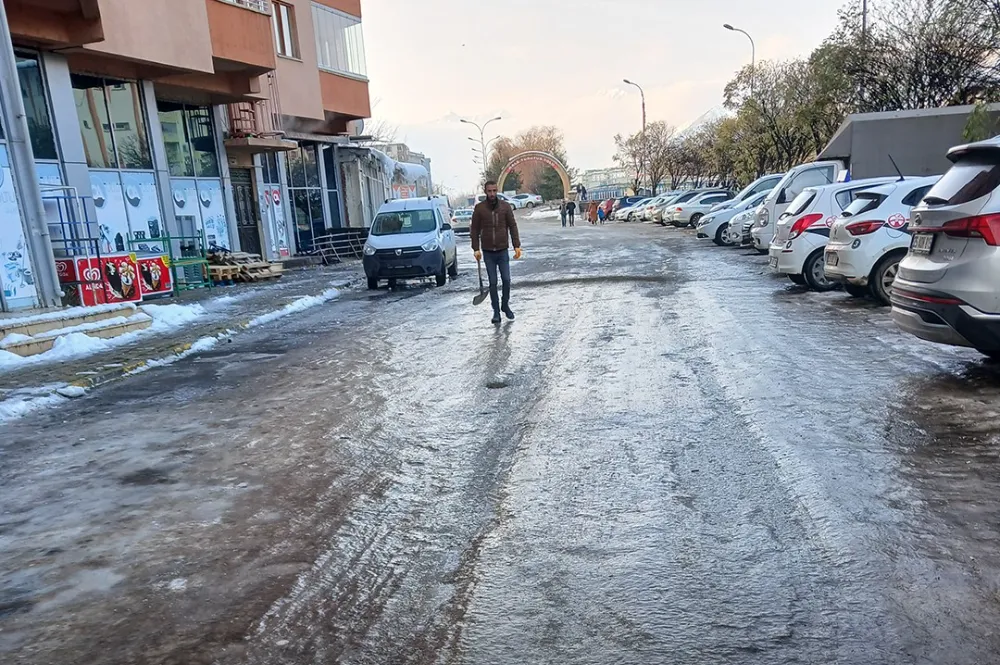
x,y
535,156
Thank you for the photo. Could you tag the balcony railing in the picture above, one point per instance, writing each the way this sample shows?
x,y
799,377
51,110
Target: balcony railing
x,y
262,6
260,119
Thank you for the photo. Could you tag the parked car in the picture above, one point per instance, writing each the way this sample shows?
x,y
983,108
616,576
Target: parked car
x,y
811,174
528,200
690,212
624,202
628,213
411,238
869,240
802,231
515,204
645,213
661,210
715,225
947,289
461,219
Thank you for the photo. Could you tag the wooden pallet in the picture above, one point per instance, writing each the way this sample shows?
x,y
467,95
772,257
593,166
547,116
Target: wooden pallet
x,y
246,267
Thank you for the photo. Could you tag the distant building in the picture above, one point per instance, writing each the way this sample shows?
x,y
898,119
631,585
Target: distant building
x,y
402,153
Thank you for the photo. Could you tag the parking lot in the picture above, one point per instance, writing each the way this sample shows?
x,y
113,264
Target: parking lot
x,y
670,456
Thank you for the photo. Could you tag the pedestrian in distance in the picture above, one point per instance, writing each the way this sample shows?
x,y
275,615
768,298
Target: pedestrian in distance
x,y
600,215
571,212
563,212
492,223
592,212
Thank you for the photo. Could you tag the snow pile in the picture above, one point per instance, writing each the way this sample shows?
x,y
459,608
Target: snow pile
x,y
203,344
69,313
13,338
297,305
22,402
544,214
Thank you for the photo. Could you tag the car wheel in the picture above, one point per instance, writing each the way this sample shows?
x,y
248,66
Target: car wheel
x,y
442,277
530,205
720,236
695,219
880,281
815,273
798,279
372,283
855,290
453,270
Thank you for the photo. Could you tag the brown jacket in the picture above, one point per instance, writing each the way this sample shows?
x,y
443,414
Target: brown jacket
x,y
490,226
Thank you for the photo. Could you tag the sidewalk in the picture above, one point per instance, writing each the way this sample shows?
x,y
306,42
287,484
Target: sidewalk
x,y
224,311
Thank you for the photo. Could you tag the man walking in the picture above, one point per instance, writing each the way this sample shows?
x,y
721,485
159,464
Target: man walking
x,y
492,222
562,213
571,211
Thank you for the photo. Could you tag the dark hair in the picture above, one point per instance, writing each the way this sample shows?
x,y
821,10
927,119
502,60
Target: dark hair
x,y
488,183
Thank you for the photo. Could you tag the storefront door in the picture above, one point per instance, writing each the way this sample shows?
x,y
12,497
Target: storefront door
x,y
247,211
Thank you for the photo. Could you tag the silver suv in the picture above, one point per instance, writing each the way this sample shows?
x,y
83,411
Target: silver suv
x,y
948,286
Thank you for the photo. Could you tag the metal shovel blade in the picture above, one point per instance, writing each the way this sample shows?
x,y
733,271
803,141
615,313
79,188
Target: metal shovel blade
x,y
478,300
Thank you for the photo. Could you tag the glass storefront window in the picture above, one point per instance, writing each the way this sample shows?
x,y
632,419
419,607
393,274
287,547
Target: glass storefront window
x,y
200,129
130,132
36,107
340,42
189,135
175,140
310,166
95,125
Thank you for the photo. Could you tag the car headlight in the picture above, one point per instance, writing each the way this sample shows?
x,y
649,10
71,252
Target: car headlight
x,y
369,250
430,246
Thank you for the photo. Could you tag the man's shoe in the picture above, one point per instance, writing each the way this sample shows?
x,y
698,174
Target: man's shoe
x,y
510,314
496,317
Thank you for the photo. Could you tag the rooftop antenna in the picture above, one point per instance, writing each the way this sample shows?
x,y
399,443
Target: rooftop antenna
x,y
901,178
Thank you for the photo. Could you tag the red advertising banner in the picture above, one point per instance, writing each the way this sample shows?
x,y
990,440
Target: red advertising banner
x,y
154,276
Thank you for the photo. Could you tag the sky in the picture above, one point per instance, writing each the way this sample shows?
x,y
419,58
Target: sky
x,y
561,62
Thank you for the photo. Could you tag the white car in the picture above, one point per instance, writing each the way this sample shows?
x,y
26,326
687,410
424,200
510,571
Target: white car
x,y
645,213
715,225
528,200
869,240
514,203
802,231
686,213
461,220
628,213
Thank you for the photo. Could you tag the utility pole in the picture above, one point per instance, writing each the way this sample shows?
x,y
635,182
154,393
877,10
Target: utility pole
x,y
482,138
642,154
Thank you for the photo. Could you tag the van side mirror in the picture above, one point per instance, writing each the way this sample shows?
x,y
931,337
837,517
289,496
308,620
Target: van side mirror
x,y
446,227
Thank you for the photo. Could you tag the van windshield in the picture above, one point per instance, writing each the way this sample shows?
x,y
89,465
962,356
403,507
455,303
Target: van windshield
x,y
404,221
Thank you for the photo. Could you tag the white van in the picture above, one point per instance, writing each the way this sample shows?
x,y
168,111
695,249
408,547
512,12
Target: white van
x,y
411,238
813,174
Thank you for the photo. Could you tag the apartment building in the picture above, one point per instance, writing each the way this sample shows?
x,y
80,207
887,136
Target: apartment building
x,y
152,124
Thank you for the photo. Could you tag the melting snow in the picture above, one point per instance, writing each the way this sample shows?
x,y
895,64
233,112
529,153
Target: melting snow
x,y
297,305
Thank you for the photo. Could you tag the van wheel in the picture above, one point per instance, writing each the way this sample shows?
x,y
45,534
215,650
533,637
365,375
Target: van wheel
x,y
453,270
884,273
442,276
815,273
855,290
372,283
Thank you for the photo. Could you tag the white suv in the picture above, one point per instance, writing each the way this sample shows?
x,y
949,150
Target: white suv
x,y
948,286
803,229
869,240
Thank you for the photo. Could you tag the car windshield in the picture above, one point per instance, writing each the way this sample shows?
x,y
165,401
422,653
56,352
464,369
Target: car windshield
x,y
756,200
865,202
800,203
969,179
404,221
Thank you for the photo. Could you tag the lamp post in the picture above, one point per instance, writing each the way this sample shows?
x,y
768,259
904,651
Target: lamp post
x,y
642,154
753,55
482,136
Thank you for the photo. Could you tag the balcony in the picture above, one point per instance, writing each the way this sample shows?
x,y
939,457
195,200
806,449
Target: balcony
x,y
242,40
55,23
344,98
256,126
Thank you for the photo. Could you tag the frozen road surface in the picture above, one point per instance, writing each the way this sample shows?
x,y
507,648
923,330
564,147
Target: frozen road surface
x,y
669,457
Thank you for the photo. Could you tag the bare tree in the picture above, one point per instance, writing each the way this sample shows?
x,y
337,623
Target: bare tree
x,y
629,153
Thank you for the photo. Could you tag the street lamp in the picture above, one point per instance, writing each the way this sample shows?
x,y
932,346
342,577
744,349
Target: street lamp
x,y
482,135
753,54
642,153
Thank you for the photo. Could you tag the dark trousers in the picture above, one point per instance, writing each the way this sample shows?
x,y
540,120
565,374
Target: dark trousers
x,y
572,218
495,260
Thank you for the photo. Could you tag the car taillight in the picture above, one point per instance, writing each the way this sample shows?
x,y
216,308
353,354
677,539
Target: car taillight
x,y
803,223
864,228
679,209
986,227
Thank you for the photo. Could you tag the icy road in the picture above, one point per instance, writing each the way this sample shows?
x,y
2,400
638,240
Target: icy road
x,y
669,457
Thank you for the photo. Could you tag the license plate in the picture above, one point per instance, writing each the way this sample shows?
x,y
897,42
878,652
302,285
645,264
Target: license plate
x,y
832,259
773,262
922,243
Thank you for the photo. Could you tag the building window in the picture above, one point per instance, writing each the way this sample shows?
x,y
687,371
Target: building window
x,y
189,139
36,107
306,195
285,37
340,43
112,123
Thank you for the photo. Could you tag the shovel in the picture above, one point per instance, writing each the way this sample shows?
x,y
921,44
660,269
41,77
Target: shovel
x,y
478,300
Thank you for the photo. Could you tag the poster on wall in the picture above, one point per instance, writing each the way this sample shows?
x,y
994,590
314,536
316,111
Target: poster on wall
x,y
404,191
154,276
109,200
279,232
112,279
142,205
184,194
213,213
16,275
